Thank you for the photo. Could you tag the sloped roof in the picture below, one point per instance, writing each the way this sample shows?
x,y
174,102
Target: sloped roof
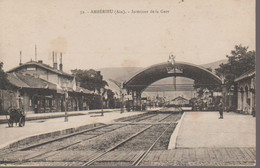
x,y
179,97
78,89
83,90
14,80
28,81
246,75
42,65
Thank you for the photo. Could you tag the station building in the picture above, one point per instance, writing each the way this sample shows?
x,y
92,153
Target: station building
x,y
42,88
180,101
246,92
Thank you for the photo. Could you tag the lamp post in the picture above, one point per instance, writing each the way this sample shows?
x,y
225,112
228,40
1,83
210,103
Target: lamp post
x,y
122,99
101,99
223,89
66,105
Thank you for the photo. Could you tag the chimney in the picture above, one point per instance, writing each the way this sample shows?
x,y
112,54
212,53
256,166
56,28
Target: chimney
x,y
35,52
52,56
61,66
20,58
55,60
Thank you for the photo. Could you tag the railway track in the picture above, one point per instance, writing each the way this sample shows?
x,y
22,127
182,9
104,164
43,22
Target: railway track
x,y
144,154
52,140
73,134
92,141
141,156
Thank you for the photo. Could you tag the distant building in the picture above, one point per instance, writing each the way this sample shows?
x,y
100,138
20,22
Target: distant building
x,y
179,101
246,92
42,88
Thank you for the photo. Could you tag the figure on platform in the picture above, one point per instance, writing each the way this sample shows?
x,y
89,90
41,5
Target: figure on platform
x,y
221,108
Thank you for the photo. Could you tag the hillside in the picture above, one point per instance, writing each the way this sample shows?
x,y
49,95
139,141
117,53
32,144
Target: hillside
x,y
215,64
119,73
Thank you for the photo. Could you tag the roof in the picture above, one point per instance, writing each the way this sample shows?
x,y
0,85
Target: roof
x,y
179,97
78,89
83,90
194,98
14,80
146,77
28,81
42,65
247,74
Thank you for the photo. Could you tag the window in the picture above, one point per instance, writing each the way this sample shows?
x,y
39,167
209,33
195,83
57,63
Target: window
x,y
30,102
46,102
50,102
31,68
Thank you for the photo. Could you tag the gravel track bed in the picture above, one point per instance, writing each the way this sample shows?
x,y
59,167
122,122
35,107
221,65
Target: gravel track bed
x,y
98,141
105,129
103,142
147,117
150,118
112,163
77,138
29,143
143,118
156,118
144,140
47,152
49,164
62,143
163,142
129,118
68,156
172,118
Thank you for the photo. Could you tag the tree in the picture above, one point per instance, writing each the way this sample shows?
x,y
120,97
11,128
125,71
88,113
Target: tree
x,y
4,83
110,98
201,87
200,92
240,61
90,79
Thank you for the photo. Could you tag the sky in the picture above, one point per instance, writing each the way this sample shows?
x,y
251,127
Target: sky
x,y
195,31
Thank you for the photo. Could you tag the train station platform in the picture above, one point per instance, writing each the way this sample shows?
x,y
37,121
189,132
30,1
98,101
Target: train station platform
x,y
47,123
36,116
206,130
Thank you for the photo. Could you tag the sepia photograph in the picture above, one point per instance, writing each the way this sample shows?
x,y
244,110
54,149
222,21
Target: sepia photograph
x,y
127,83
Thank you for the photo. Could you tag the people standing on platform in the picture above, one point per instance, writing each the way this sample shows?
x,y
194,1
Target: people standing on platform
x,y
221,108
